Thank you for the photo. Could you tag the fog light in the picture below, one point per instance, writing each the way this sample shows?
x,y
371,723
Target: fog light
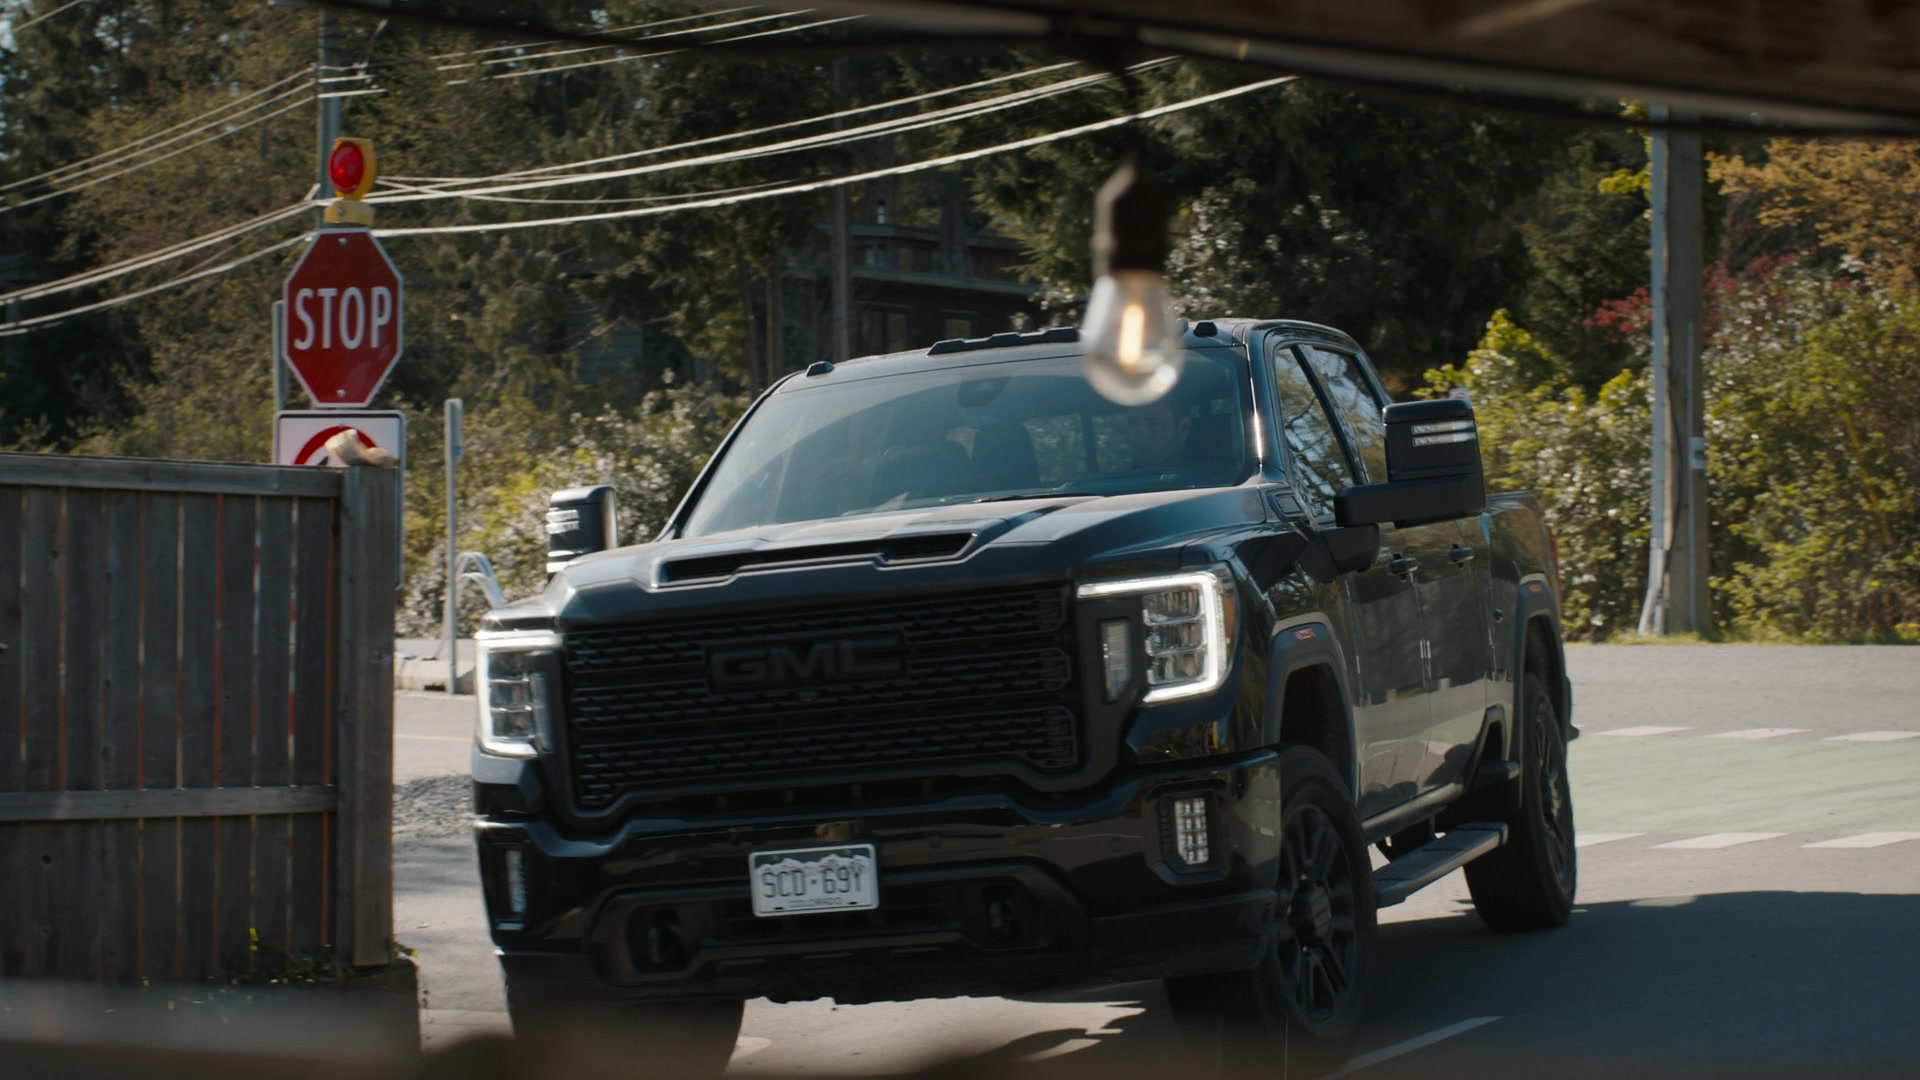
x,y
1190,830
1116,654
516,883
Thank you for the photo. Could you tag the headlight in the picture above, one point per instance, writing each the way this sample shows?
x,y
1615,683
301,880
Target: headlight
x,y
1185,620
518,683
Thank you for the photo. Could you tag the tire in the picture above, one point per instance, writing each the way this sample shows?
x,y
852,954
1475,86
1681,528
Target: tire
x,y
1295,1013
1529,883
594,1032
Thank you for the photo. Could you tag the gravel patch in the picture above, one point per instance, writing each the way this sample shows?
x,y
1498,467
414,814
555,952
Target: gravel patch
x,y
434,806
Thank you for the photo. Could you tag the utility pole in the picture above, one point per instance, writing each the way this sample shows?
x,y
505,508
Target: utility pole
x,y
842,266
1678,599
329,119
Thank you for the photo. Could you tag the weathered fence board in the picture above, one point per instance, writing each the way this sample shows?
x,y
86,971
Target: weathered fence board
x,y
195,716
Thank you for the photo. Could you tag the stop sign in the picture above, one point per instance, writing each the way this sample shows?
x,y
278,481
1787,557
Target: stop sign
x,y
344,318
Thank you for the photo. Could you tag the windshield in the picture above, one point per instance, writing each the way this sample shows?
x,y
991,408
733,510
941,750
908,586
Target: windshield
x,y
1008,430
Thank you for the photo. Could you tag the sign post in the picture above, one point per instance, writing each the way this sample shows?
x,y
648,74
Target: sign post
x,y
456,415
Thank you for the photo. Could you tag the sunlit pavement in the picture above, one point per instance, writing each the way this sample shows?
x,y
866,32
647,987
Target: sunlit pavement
x,y
1750,904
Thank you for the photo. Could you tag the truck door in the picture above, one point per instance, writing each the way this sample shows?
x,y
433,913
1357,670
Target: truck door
x,y
1382,632
1459,652
1357,403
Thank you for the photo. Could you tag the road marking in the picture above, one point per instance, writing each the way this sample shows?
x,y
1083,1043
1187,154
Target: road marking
x,y
1630,732
1420,1042
1590,839
1758,733
1875,736
435,738
1867,840
1721,840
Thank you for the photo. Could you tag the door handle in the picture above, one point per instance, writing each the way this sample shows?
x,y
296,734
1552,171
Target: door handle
x,y
1403,564
1460,555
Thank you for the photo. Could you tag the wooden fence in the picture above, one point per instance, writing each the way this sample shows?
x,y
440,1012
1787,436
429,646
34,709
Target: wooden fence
x,y
196,715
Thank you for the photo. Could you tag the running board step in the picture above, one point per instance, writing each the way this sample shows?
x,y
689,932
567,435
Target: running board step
x,y
1435,859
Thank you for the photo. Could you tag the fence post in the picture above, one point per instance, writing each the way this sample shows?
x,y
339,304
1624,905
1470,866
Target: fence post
x,y
363,889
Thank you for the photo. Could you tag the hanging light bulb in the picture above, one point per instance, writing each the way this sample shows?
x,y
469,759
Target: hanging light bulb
x,y
1131,336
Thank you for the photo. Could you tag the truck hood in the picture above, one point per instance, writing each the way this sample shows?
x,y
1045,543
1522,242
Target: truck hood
x,y
936,549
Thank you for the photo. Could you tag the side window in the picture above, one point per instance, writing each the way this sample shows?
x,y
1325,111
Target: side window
x,y
1318,459
1355,406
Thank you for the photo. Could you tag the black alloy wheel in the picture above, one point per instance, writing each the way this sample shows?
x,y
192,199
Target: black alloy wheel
x,y
1295,1013
1529,884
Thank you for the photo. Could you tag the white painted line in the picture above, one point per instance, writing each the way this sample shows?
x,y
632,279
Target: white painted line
x,y
1419,1042
1631,732
1721,840
1875,736
1590,839
1867,840
1758,733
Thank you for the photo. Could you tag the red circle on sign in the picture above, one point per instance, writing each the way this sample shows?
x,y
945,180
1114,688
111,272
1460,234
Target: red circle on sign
x,y
319,442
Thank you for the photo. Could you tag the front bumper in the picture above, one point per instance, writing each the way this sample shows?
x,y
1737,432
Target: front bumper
x,y
978,894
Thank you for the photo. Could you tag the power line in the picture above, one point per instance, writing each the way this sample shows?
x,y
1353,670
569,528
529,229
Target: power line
x,y
145,260
730,136
648,39
130,147
38,19
27,326
897,125
855,178
136,167
615,30
650,55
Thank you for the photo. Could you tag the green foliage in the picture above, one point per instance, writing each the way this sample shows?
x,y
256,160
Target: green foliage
x,y
1584,457
1814,461
650,453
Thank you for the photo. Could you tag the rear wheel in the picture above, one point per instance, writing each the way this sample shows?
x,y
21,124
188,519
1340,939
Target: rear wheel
x,y
1529,883
1295,1013
599,1033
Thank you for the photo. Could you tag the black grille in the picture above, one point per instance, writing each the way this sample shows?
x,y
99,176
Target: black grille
x,y
893,688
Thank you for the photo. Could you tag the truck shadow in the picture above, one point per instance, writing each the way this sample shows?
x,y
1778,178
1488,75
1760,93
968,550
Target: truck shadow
x,y
1753,984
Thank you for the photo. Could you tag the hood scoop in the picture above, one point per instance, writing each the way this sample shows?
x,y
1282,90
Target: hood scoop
x,y
888,551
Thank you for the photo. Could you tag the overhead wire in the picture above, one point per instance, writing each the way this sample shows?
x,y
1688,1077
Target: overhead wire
x,y
149,162
647,40
28,325
612,30
38,19
135,263
603,61
843,114
130,147
820,140
827,183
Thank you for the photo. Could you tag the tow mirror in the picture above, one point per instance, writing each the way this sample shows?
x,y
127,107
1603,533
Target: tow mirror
x,y
580,521
1433,469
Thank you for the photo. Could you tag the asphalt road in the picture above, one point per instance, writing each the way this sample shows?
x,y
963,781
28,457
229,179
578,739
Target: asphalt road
x,y
1749,904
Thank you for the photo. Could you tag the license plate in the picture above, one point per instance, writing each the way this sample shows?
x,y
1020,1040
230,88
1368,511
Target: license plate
x,y
803,881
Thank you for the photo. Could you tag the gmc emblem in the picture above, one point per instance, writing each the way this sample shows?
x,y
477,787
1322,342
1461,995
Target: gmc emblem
x,y
755,667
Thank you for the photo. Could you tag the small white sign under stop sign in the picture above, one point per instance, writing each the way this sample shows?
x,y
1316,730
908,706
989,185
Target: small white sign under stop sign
x,y
300,435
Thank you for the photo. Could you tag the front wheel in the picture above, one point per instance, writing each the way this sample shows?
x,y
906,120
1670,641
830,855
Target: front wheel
x,y
1529,883
1300,1005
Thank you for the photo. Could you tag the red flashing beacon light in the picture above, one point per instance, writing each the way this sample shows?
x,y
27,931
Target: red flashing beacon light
x,y
351,167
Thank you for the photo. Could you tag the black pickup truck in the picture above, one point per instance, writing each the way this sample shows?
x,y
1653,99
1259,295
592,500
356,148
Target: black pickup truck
x,y
950,676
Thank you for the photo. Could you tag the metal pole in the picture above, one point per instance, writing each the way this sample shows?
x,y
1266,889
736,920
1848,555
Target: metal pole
x,y
1678,598
455,411
1686,309
279,362
1653,610
842,265
329,112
